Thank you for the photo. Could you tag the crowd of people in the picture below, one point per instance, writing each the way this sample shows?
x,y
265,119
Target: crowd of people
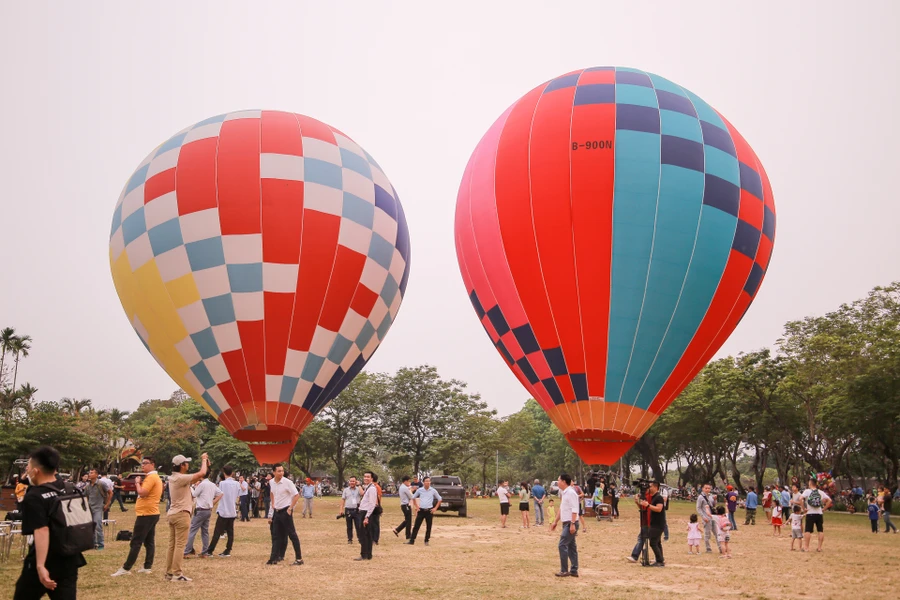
x,y
191,499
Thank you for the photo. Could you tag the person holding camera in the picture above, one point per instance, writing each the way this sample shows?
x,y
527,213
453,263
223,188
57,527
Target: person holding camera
x,y
653,523
568,513
349,504
146,507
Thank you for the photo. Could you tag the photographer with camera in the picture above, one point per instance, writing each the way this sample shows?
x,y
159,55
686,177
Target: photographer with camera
x,y
651,505
350,498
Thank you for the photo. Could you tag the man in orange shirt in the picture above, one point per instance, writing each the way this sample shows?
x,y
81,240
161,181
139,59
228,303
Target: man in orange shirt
x,y
149,491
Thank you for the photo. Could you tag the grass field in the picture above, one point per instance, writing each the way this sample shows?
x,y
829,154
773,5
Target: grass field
x,y
474,558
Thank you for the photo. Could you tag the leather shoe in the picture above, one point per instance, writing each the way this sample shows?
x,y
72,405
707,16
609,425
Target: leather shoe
x,y
563,574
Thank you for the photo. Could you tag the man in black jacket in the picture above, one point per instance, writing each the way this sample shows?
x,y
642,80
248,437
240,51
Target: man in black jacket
x,y
45,570
653,522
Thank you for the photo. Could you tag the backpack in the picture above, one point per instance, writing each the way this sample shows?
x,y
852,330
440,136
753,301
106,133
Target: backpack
x,y
71,522
124,536
815,499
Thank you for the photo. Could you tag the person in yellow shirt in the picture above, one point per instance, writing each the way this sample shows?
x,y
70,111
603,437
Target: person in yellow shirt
x,y
21,488
149,490
551,511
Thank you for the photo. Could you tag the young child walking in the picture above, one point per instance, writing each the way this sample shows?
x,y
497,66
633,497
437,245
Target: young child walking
x,y
776,520
724,535
551,511
796,527
694,535
873,513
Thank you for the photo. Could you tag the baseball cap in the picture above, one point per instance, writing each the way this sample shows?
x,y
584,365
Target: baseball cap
x,y
729,487
179,460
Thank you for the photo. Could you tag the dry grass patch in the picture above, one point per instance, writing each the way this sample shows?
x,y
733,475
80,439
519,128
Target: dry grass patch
x,y
473,558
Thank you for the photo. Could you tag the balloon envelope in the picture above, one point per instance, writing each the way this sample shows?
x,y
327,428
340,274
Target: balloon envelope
x,y
261,257
612,229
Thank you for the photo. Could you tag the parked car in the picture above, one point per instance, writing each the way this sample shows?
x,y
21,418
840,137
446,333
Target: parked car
x,y
129,489
452,491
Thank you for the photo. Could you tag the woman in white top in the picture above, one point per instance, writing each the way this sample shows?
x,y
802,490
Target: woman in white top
x,y
523,505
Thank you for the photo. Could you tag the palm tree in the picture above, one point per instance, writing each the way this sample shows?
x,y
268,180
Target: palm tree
x,y
117,417
20,347
73,407
27,392
7,335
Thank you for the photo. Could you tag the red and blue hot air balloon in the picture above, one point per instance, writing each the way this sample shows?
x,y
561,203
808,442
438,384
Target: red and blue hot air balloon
x,y
261,257
612,229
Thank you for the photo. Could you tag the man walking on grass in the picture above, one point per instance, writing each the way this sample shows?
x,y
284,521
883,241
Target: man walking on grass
x,y
146,507
568,514
427,500
228,493
405,501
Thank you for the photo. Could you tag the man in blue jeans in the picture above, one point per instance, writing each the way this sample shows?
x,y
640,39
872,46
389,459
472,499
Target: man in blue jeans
x,y
569,509
538,493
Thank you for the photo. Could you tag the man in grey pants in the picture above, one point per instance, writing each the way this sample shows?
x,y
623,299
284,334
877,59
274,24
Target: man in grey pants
x,y
569,510
538,493
706,508
205,494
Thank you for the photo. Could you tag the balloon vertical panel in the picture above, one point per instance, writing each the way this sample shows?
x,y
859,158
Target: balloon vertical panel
x,y
612,229
261,256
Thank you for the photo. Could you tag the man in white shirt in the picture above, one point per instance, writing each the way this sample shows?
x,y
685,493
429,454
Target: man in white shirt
x,y
349,504
244,499
503,494
229,491
367,507
405,500
817,502
568,514
427,501
205,494
284,496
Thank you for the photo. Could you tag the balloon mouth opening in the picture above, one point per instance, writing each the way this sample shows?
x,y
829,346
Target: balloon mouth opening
x,y
271,445
600,447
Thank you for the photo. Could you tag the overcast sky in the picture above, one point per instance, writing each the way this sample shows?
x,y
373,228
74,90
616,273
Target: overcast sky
x,y
88,90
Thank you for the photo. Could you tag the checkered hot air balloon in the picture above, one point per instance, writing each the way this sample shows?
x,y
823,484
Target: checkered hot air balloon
x,y
612,229
261,257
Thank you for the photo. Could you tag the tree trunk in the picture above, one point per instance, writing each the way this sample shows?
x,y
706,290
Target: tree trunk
x,y
759,465
646,446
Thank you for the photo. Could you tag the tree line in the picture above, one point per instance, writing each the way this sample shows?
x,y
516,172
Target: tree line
x,y
825,398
